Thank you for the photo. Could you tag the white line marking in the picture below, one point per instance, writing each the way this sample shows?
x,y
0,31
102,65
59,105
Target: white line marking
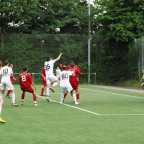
x,y
72,106
113,93
93,112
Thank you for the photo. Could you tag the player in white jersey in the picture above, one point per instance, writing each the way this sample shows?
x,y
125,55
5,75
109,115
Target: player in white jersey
x,y
65,84
50,77
5,73
58,71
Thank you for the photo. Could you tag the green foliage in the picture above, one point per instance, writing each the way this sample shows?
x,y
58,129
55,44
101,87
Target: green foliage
x,y
120,20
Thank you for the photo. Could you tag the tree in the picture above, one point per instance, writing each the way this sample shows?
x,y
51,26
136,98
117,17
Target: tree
x,y
14,15
120,20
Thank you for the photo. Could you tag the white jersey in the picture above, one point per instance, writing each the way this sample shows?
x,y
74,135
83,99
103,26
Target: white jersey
x,y
58,71
6,72
64,77
49,67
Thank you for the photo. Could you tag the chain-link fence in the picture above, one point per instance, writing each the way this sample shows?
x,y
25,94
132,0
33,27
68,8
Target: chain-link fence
x,y
139,45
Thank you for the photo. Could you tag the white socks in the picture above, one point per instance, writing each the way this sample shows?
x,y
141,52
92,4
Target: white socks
x,y
55,84
74,97
47,91
62,97
13,98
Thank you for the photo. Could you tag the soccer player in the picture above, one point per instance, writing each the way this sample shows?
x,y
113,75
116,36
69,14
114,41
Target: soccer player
x,y
65,84
43,80
50,77
12,78
73,78
25,81
1,103
58,71
6,72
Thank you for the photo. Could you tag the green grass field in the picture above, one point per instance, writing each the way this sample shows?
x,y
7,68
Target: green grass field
x,y
104,116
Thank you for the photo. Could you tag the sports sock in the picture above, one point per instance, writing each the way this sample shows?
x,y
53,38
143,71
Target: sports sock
x,y
42,91
47,91
62,96
65,94
74,97
2,96
54,84
23,96
77,96
34,97
13,98
8,92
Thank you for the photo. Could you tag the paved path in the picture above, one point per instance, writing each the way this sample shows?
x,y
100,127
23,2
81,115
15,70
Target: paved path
x,y
137,90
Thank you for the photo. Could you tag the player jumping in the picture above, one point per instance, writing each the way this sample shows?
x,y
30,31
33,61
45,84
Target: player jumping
x,y
50,77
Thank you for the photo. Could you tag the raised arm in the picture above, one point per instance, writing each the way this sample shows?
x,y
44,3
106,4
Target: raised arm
x,y
58,57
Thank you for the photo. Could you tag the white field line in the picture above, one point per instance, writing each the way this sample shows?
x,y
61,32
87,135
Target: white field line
x,y
72,106
113,93
93,112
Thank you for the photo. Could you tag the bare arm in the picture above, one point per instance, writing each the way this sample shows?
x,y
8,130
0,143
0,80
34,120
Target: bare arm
x,y
58,57
34,85
43,76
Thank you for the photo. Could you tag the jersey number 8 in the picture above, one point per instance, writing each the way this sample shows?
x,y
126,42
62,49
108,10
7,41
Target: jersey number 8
x,y
23,78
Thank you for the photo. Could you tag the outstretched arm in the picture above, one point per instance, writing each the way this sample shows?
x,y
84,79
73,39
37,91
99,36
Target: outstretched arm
x,y
58,57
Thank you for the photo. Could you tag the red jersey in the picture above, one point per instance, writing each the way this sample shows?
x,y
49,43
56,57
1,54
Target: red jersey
x,y
12,78
76,70
25,80
44,74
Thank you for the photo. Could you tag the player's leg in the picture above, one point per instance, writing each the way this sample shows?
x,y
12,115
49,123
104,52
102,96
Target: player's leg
x,y
47,91
8,93
65,94
56,82
22,97
74,97
1,102
35,99
13,98
42,91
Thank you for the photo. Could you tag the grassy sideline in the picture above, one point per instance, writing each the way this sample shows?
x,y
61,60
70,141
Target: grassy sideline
x,y
120,121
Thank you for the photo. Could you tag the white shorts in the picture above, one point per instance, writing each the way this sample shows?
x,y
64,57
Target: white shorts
x,y
51,78
67,87
9,85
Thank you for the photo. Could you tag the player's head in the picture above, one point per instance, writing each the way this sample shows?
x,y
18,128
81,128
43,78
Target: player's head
x,y
25,68
48,59
11,65
64,67
6,63
72,64
57,67
143,70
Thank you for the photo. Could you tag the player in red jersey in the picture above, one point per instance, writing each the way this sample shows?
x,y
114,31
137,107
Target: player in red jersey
x,y
43,74
74,78
25,81
12,78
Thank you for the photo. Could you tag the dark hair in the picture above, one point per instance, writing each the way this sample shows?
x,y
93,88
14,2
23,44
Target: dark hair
x,y
47,58
6,62
25,68
64,67
72,64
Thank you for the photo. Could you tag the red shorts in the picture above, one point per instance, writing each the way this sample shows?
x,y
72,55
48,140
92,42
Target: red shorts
x,y
43,82
74,85
30,89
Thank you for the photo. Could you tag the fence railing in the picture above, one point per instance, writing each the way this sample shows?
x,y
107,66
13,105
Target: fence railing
x,y
82,79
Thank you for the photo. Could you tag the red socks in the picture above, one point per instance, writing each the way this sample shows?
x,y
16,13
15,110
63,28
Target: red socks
x,y
34,97
77,96
42,91
8,92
